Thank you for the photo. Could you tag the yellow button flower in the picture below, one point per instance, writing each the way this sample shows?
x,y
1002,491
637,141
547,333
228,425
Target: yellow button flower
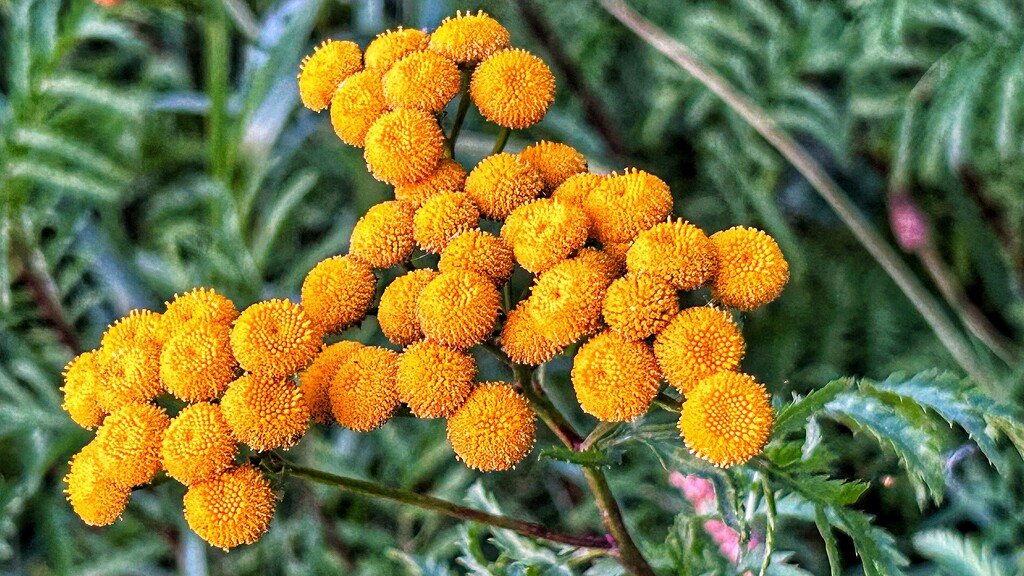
x,y
396,313
443,217
422,80
393,45
82,385
608,262
556,162
521,339
544,232
615,379
469,37
129,375
315,381
494,429
450,176
727,419
624,205
232,509
138,328
458,308
639,305
265,412
576,188
198,444
338,292
356,105
566,301
275,338
698,343
434,380
198,306
383,237
501,183
513,88
751,269
404,146
480,252
198,364
363,394
96,499
325,69
676,251
129,443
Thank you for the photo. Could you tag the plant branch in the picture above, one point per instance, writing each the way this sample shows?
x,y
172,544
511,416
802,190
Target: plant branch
x,y
460,113
499,144
769,531
41,285
863,231
364,488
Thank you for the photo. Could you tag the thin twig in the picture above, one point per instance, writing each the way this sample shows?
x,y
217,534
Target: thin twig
x,y
499,144
769,531
460,113
819,179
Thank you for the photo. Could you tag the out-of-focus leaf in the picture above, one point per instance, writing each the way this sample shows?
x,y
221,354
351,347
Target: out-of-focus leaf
x,y
792,416
957,555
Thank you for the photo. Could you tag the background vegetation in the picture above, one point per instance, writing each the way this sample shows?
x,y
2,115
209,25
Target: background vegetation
x,y
159,145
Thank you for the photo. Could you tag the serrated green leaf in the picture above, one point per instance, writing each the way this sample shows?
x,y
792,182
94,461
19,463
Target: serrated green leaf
x,y
829,491
835,564
64,179
591,458
792,416
901,430
875,546
958,555
71,149
94,93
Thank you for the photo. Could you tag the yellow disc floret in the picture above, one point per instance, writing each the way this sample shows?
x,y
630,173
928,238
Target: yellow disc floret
x,y
615,379
576,188
494,429
198,364
544,232
443,217
458,308
501,183
566,301
338,292
265,412
404,146
82,385
513,88
198,444
198,306
639,305
391,46
727,419
434,380
677,251
129,375
397,310
94,497
129,443
363,394
469,37
450,176
325,69
138,328
315,381
356,105
751,268
383,237
521,339
556,162
275,338
480,252
698,343
422,80
231,509
624,205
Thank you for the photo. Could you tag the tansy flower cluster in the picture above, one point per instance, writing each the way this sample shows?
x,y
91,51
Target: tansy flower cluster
x,y
607,263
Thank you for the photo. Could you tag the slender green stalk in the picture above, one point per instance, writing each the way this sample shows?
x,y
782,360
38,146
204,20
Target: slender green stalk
x,y
460,113
667,403
831,550
957,345
599,431
362,487
769,531
499,144
216,63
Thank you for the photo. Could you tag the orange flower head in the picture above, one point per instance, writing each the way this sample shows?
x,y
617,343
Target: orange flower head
x,y
624,205
435,380
469,37
233,508
522,341
129,444
566,301
513,88
363,394
316,380
443,217
544,232
480,252
265,412
501,183
383,236
751,269
138,328
356,105
617,251
404,146
450,176
677,251
397,311
698,343
198,364
555,161
393,45
321,72
494,429
198,444
458,308
577,187
639,305
95,498
608,262
128,375
727,419
338,292
275,338
422,80
82,386
615,379
198,306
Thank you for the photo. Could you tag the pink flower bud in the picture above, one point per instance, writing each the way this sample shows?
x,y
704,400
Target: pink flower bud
x,y
909,223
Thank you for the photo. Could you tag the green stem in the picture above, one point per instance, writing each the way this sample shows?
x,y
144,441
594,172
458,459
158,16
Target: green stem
x,y
599,431
216,63
499,144
362,487
460,113
957,345
769,531
667,403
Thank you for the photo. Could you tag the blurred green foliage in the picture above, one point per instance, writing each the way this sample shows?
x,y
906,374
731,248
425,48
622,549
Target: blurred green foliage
x,y
160,145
